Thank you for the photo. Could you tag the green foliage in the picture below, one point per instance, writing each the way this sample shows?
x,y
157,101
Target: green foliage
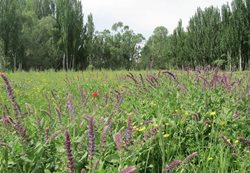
x,y
116,49
10,30
3,61
219,62
44,34
156,49
211,35
188,115
41,52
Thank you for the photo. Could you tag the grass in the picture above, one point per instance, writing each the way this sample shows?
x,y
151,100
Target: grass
x,y
143,121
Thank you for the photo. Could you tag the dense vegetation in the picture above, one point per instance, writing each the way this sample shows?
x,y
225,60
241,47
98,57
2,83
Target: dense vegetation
x,y
45,34
192,121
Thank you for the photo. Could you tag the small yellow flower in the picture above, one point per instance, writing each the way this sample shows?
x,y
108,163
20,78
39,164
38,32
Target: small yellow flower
x,y
210,158
166,135
222,123
212,113
228,140
142,129
152,104
186,113
236,141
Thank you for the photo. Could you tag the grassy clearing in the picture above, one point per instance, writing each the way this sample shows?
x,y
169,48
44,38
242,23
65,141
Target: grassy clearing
x,y
105,121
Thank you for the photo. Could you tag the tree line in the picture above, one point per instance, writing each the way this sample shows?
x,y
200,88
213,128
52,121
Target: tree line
x,y
52,34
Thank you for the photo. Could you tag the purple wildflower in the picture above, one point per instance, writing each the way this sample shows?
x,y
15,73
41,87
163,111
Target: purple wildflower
x,y
205,82
198,69
131,76
182,87
215,79
236,115
20,130
130,169
70,105
69,152
59,113
190,157
152,84
119,100
147,122
207,68
224,80
11,96
174,164
244,140
5,120
118,141
55,134
106,99
173,76
129,130
91,137
196,117
83,96
230,145
105,131
151,133
154,80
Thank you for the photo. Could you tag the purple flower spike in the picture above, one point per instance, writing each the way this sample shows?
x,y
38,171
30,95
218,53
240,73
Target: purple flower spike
x,y
70,105
129,131
69,152
118,141
130,169
244,140
11,96
174,164
190,157
91,137
105,131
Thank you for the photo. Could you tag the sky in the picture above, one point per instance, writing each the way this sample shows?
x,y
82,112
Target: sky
x,y
142,16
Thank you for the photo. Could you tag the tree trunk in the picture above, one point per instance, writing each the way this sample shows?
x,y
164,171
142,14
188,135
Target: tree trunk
x,y
229,59
67,61
73,62
240,59
63,62
14,65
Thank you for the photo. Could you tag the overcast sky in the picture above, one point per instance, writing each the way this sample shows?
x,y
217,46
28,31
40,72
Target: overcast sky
x,y
144,15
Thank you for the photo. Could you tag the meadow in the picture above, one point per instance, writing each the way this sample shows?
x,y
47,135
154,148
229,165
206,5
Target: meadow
x,y
127,122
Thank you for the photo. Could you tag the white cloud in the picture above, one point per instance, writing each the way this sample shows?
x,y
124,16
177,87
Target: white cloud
x,y
144,15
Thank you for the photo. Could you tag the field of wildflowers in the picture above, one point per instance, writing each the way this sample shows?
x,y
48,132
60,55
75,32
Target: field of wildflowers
x,y
127,122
